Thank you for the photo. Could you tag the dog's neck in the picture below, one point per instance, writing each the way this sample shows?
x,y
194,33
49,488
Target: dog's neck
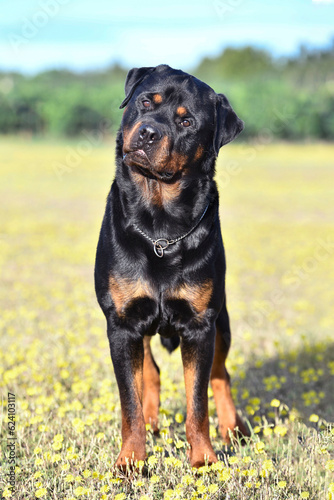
x,y
161,207
172,217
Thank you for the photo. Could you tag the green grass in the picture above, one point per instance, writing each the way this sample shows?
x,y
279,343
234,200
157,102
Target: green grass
x,y
277,221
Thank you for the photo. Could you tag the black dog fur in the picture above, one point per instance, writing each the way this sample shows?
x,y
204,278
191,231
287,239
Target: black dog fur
x,y
172,129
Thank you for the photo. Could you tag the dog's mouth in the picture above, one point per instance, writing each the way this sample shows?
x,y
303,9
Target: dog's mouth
x,y
139,161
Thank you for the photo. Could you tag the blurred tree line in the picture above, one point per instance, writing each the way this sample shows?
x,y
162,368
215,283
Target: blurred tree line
x,y
286,98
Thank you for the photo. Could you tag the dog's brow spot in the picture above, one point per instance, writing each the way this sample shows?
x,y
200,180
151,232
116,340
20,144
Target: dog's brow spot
x,y
157,98
181,110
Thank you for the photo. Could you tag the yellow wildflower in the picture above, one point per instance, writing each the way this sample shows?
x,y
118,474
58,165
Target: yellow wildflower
x,y
225,475
259,447
179,418
169,495
281,484
41,492
268,465
158,449
213,488
80,490
187,479
281,430
55,458
58,438
57,445
330,465
152,460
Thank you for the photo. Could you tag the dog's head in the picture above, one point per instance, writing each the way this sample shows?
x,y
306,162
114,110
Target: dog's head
x,y
173,122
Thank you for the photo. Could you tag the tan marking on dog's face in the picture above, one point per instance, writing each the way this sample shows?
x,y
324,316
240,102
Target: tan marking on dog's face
x,y
198,296
128,134
181,110
157,99
157,192
161,154
124,290
177,161
199,153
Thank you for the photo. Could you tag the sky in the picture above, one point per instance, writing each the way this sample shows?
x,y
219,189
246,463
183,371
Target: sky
x,y
80,35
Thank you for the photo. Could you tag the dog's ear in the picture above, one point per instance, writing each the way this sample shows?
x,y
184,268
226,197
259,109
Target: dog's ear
x,y
133,79
228,125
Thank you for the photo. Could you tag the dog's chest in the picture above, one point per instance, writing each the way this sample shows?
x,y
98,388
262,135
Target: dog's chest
x,y
128,293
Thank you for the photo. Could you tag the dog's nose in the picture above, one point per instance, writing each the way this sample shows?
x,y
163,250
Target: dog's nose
x,y
149,134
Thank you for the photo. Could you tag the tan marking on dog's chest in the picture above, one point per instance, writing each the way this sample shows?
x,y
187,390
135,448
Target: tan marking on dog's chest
x,y
198,296
124,290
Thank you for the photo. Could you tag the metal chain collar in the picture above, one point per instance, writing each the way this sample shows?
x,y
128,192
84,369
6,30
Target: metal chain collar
x,y
162,244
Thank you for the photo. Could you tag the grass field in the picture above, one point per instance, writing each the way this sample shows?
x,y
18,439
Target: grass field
x,y
277,205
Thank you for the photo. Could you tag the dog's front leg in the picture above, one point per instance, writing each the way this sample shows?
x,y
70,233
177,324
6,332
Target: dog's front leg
x,y
127,355
197,350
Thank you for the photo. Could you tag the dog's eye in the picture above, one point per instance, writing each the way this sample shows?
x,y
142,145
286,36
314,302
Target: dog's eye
x,y
185,123
146,103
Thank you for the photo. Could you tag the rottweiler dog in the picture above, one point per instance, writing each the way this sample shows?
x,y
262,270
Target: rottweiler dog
x,y
160,263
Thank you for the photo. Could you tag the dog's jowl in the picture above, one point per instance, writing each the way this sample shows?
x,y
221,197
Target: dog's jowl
x,y
160,264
